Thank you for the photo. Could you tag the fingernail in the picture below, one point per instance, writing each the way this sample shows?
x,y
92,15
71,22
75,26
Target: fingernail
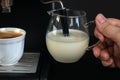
x,y
101,18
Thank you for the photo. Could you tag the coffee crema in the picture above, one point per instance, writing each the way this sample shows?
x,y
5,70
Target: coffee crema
x,y
9,34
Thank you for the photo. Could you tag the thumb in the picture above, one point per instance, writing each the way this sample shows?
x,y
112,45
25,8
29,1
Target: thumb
x,y
107,29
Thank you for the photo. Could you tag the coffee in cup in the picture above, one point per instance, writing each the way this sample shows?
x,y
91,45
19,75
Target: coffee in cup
x,y
9,34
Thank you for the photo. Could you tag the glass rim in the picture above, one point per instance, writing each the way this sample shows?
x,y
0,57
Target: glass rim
x,y
82,13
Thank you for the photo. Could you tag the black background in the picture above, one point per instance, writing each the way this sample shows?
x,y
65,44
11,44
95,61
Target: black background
x,y
32,16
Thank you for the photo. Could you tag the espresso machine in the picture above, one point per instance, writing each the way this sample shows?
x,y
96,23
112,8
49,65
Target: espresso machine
x,y
30,66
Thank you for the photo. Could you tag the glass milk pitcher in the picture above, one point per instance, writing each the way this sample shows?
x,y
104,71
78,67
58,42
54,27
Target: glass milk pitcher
x,y
67,36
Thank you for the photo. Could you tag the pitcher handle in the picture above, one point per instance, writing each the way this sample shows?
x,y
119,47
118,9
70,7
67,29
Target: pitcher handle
x,y
95,44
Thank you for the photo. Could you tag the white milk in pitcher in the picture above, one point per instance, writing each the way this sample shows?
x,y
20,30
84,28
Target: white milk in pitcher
x,y
67,49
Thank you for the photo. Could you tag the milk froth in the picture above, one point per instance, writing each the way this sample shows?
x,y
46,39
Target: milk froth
x,y
67,49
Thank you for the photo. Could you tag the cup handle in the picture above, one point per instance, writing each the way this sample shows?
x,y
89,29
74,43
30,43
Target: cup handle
x,y
98,42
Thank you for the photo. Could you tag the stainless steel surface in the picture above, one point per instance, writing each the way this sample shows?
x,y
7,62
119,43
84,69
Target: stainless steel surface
x,y
27,64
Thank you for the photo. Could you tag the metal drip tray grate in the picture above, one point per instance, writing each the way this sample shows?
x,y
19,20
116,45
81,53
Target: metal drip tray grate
x,y
27,64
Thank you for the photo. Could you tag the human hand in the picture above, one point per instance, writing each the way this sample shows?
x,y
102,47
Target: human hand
x,y
107,30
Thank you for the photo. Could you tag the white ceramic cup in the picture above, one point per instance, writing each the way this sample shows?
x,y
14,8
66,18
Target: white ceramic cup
x,y
11,49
